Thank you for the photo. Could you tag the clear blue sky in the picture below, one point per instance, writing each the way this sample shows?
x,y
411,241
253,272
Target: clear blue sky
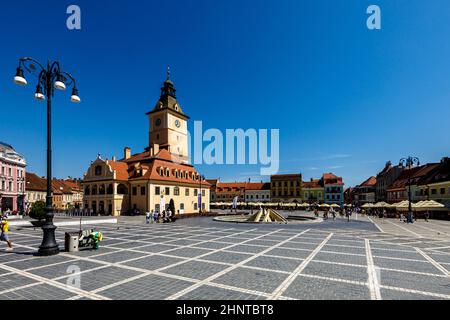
x,y
345,99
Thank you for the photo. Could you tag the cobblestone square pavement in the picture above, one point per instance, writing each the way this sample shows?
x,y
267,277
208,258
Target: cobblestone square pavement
x,y
202,259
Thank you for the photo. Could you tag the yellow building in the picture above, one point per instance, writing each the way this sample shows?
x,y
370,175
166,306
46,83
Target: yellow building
x,y
286,187
149,180
312,191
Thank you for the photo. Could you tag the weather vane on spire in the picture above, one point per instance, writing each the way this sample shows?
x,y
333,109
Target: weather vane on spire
x,y
168,73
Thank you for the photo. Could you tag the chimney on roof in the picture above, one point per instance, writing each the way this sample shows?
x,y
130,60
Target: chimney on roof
x,y
113,158
126,153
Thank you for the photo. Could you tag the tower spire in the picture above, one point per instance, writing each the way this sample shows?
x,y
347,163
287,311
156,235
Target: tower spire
x,y
168,88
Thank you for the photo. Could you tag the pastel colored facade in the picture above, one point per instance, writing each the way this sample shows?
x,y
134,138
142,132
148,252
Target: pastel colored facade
x,y
365,192
312,191
333,188
436,185
76,197
227,191
149,180
257,192
66,193
245,191
12,179
286,187
36,189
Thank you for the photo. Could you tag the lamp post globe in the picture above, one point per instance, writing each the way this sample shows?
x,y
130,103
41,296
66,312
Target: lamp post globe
x,y
19,79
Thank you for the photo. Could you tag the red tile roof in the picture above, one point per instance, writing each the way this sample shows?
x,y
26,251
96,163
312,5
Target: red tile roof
x,y
370,182
34,182
121,169
415,174
331,179
312,184
148,168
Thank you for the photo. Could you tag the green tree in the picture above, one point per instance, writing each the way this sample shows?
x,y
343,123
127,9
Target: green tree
x,y
172,206
38,210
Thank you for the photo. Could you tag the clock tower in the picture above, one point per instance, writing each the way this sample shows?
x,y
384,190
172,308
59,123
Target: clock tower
x,y
168,123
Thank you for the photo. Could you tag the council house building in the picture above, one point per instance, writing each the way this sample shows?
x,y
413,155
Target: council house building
x,y
149,180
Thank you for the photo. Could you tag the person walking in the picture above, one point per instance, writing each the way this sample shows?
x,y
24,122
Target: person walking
x,y
148,217
333,213
4,225
427,216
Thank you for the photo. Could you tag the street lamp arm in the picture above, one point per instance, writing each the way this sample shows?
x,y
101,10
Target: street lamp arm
x,y
30,69
73,81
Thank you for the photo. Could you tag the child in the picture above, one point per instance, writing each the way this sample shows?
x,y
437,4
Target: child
x,y
4,225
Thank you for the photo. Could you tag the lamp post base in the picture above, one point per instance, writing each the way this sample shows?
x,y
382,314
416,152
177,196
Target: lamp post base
x,y
49,246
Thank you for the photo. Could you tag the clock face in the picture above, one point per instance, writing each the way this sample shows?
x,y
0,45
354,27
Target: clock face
x,y
158,122
177,123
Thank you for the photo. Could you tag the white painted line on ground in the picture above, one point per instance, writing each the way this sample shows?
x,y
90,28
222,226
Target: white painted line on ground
x,y
237,265
425,293
54,283
372,281
376,225
359,283
287,282
434,263
406,229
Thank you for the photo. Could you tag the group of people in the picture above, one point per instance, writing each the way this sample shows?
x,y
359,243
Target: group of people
x,y
332,213
156,217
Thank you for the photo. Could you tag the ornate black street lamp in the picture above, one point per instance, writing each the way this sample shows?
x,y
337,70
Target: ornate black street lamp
x,y
49,79
409,162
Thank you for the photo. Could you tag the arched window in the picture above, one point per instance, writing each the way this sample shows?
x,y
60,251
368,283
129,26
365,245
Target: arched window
x,y
109,190
167,172
87,190
101,189
122,189
160,171
94,190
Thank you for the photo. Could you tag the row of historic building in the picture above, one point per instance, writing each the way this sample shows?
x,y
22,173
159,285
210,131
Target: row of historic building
x,y
66,193
20,189
430,181
281,188
156,177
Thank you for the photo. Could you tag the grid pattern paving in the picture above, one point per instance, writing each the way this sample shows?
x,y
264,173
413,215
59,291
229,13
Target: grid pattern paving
x,y
214,260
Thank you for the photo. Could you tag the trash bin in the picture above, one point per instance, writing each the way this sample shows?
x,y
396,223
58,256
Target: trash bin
x,y
71,242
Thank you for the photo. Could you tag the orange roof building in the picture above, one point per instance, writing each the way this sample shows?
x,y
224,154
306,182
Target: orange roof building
x,y
150,180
